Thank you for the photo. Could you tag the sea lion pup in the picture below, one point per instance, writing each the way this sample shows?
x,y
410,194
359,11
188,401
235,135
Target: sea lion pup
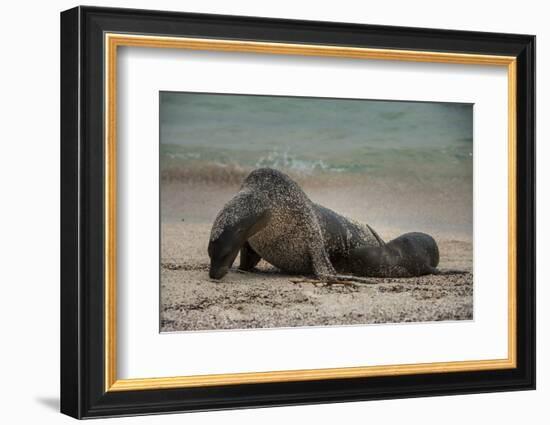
x,y
272,218
411,254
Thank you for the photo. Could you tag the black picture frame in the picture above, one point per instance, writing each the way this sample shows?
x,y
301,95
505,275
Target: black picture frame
x,y
83,392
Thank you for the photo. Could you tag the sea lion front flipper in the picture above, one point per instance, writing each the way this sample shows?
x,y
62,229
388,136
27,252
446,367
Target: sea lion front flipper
x,y
249,257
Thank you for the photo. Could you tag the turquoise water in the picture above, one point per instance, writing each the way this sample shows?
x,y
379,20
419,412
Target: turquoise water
x,y
307,135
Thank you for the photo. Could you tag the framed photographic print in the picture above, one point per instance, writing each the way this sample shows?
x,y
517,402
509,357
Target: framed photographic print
x,y
261,212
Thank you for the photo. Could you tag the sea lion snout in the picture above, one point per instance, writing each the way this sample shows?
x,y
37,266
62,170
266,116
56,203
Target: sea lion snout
x,y
219,266
222,255
218,272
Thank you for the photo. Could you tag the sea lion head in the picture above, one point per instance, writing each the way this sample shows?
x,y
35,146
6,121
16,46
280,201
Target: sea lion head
x,y
373,260
417,248
240,218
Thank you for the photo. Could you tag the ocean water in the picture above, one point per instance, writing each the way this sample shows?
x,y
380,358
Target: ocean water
x,y
389,139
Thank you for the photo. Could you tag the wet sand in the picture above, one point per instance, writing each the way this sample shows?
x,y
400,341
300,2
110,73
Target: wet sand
x,y
269,298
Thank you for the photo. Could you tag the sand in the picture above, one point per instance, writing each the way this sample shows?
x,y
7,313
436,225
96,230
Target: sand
x,y
269,298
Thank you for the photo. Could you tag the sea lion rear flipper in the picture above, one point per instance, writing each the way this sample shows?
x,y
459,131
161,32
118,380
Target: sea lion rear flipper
x,y
320,262
249,257
376,235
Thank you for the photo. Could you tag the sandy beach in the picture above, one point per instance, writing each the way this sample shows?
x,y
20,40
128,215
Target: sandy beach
x,y
269,298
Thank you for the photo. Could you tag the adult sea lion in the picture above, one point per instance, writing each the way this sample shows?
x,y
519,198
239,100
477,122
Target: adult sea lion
x,y
272,218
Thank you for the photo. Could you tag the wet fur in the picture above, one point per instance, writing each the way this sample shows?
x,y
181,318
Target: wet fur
x,y
272,218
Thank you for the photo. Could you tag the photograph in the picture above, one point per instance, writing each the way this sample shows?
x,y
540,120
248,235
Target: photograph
x,y
282,212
